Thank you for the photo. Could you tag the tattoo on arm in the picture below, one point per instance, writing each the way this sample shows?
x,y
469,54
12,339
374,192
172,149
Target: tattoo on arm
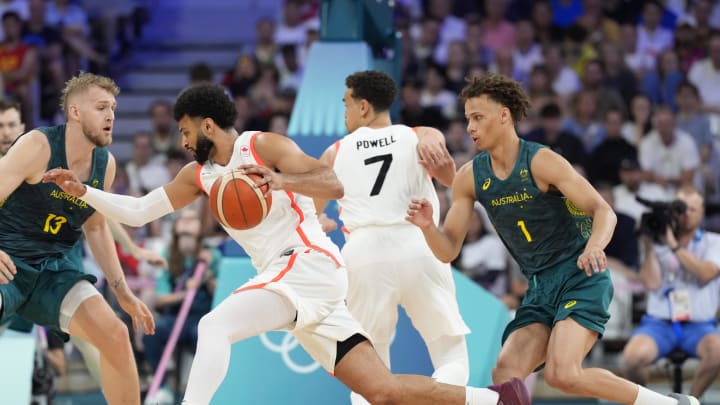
x,y
116,284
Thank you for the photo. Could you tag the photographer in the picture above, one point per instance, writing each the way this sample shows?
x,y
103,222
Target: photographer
x,y
680,273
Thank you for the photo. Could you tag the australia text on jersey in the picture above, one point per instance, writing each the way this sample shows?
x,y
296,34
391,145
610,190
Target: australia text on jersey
x,y
518,197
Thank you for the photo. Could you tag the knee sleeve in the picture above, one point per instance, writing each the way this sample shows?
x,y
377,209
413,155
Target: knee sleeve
x,y
450,359
81,291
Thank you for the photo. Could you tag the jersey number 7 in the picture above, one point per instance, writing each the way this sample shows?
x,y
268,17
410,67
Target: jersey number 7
x,y
386,160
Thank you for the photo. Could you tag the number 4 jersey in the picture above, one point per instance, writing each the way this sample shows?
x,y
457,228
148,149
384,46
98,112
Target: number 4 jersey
x,y
539,229
380,172
38,221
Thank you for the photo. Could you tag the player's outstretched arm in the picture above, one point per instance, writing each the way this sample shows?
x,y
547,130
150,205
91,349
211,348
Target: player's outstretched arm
x,y
133,211
446,243
434,156
551,170
102,246
296,171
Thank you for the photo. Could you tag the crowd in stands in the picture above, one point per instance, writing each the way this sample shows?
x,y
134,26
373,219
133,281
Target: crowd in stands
x,y
627,91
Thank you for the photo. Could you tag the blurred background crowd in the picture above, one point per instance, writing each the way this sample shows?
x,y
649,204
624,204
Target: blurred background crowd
x,y
627,90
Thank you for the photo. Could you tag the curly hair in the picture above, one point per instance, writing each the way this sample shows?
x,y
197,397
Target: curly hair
x,y
500,89
206,101
376,87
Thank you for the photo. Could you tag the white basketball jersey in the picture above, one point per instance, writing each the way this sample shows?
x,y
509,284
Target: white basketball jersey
x,y
380,172
290,224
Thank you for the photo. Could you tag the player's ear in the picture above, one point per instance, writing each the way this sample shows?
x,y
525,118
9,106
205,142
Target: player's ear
x,y
208,125
505,115
365,107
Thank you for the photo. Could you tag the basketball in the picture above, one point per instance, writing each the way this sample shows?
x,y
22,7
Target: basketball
x,y
237,203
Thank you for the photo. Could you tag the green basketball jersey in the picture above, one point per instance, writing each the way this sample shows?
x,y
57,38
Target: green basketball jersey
x,y
539,229
40,221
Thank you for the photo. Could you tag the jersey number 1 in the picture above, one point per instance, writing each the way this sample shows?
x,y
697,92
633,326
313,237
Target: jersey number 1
x,y
524,230
386,160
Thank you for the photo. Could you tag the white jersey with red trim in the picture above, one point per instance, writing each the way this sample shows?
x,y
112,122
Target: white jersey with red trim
x,y
380,172
290,224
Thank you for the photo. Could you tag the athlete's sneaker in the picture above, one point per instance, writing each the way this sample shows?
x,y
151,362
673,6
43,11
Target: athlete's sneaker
x,y
685,399
512,392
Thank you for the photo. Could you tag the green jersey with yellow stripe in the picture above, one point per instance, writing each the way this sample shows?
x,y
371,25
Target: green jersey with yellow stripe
x,y
540,229
40,221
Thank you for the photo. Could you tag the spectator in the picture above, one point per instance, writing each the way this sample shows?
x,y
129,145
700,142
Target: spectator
x,y
18,64
434,94
72,22
652,38
691,118
457,142
200,72
601,29
172,286
550,133
639,62
680,273
705,75
541,93
527,53
566,12
47,41
243,76
660,84
289,67
617,74
667,154
483,257
632,185
565,81
413,113
498,33
687,46
452,28
584,122
623,260
291,27
604,166
641,110
458,63
546,31
594,79
146,171
264,47
164,136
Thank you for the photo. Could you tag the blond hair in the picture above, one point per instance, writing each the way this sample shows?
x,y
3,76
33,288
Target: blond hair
x,y
81,83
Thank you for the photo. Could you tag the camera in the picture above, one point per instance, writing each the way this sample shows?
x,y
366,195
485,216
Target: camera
x,y
662,214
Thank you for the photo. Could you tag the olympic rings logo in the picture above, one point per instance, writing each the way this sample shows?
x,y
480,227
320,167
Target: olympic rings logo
x,y
285,348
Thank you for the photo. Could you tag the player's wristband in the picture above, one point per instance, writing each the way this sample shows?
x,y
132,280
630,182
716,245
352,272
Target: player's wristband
x,y
676,248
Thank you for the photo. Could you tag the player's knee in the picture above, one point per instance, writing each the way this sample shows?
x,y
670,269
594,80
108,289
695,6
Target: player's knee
x,y
636,355
566,379
209,325
115,336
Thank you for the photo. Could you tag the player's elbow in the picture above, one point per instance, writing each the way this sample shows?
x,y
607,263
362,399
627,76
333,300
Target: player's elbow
x,y
336,191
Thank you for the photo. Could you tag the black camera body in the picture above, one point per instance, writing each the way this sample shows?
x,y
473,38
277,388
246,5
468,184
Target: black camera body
x,y
662,214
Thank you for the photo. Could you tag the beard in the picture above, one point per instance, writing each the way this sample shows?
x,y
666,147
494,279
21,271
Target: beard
x,y
97,140
202,149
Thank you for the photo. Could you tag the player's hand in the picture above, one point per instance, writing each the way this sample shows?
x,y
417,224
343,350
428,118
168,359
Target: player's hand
x,y
7,268
150,257
436,159
66,180
269,177
138,311
328,224
420,213
592,260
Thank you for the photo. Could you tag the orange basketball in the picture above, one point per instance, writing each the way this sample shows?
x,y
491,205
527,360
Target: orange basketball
x,y
236,202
